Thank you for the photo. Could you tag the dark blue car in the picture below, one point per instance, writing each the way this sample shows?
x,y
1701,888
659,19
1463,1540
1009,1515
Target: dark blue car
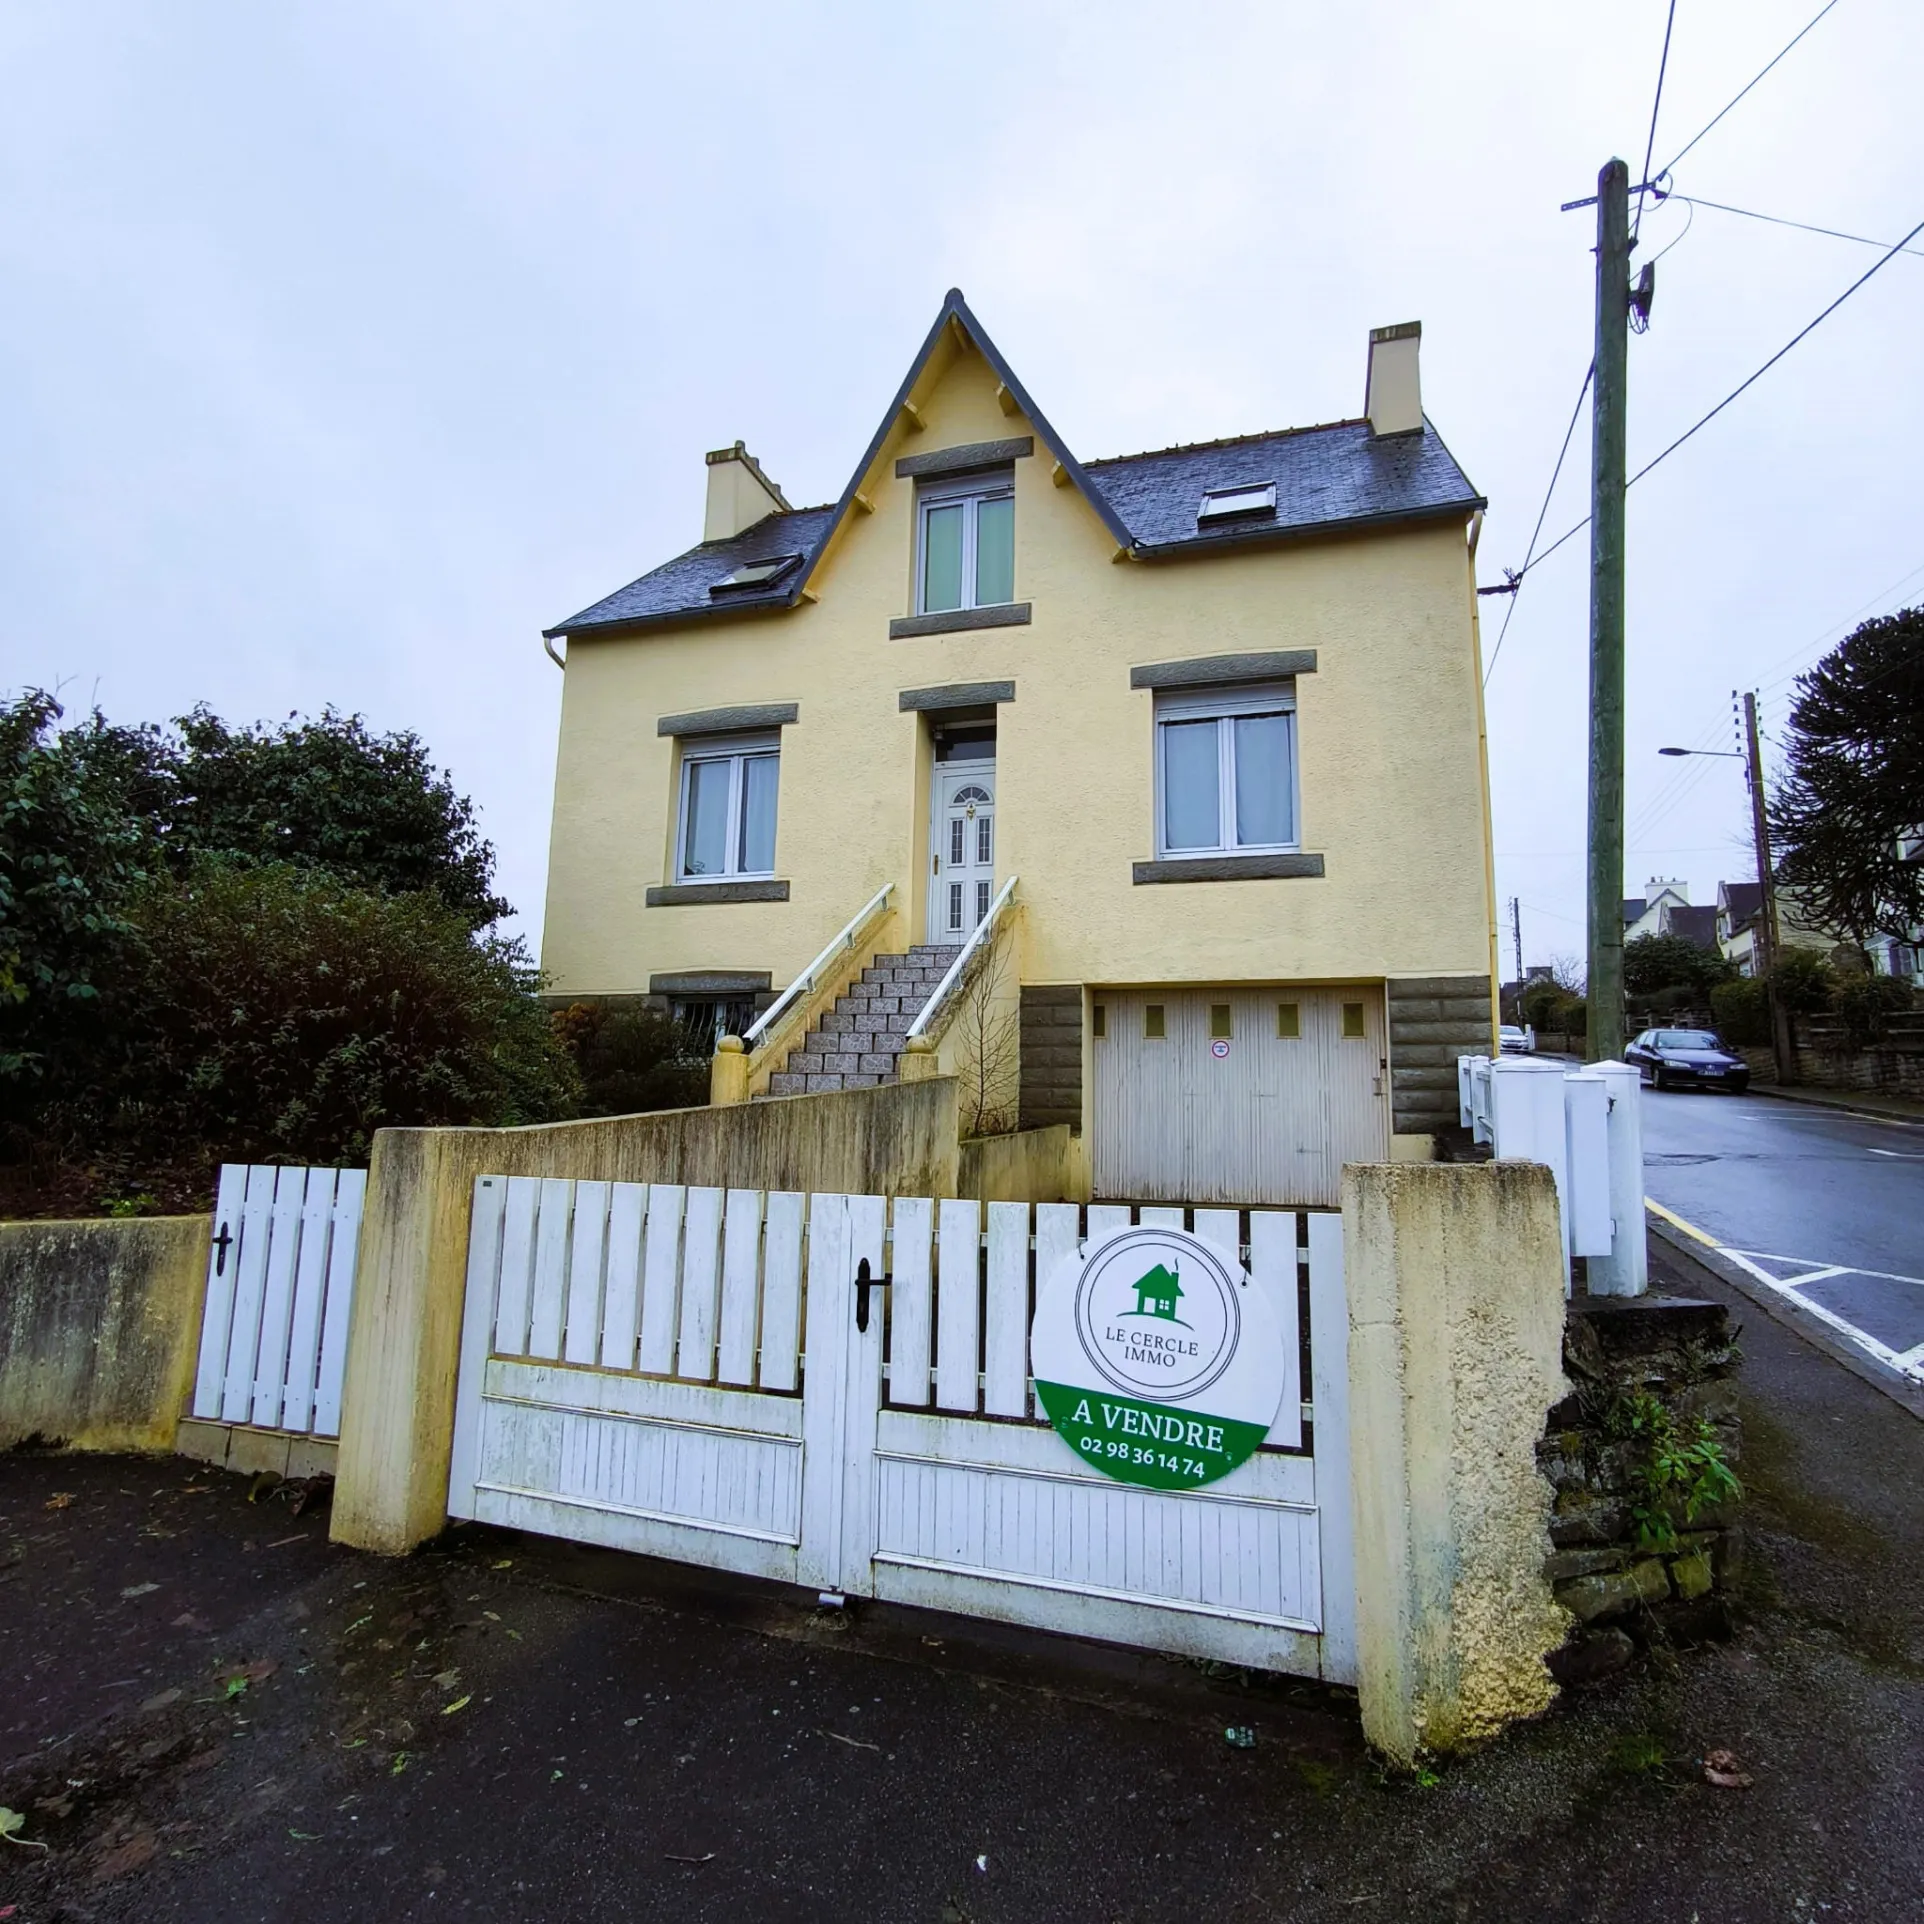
x,y
1687,1058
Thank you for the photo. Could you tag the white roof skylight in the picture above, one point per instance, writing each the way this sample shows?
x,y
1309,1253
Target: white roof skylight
x,y
1225,504
757,574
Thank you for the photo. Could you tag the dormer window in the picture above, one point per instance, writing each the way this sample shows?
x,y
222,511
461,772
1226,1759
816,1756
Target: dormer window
x,y
966,542
1245,503
756,574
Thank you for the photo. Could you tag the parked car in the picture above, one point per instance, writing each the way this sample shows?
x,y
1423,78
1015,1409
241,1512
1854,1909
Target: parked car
x,y
1672,1058
1512,1041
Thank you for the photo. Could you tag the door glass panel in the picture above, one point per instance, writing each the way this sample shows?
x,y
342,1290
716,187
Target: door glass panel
x,y
955,905
984,842
705,832
994,552
1352,1020
1099,1021
942,558
1152,1022
1289,1021
981,900
1262,780
759,773
1190,783
1219,1021
955,842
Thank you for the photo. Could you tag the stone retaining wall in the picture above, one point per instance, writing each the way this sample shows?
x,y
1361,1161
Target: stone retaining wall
x,y
1624,1583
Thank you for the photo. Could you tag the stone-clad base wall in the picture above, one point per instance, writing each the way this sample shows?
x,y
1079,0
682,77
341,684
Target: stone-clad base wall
x,y
1433,1020
1051,1055
1626,1585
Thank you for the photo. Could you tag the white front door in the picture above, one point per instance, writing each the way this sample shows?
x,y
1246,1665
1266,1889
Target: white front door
x,y
962,823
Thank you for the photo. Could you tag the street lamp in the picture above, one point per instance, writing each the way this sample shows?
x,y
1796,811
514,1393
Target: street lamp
x,y
1780,1042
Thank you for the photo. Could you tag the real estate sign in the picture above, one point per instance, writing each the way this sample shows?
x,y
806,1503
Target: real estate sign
x,y
1156,1359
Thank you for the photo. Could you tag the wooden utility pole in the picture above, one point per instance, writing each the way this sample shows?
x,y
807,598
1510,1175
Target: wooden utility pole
x,y
1605,987
1516,932
1765,944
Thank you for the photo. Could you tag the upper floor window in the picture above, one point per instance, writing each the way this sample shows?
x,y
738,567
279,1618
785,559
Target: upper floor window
x,y
1226,771
728,786
965,542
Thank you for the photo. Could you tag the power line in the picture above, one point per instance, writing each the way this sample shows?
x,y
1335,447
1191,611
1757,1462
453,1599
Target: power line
x,y
1699,134
1516,580
1650,145
1777,220
1779,355
1900,247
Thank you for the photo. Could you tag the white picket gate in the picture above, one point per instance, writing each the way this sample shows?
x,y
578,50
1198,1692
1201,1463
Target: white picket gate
x,y
701,1374
280,1281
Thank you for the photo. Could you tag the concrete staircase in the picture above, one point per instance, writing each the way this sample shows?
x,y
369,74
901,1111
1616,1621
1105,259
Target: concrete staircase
x,y
858,1042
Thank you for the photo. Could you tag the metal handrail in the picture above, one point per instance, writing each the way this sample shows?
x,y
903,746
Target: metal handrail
x,y
805,982
975,941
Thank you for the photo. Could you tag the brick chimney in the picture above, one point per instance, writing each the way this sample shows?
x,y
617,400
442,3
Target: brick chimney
x,y
739,493
1393,400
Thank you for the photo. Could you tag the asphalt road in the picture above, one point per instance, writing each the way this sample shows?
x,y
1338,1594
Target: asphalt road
x,y
1826,1207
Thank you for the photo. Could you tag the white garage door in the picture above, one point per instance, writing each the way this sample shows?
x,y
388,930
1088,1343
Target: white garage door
x,y
1237,1095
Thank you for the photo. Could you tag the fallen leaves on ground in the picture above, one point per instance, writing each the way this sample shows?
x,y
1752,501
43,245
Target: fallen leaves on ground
x,y
1721,1768
60,1500
12,1823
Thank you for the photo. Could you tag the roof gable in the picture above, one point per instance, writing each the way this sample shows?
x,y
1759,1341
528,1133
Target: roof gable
x,y
1339,476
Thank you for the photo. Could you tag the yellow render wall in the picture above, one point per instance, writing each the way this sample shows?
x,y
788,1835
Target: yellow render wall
x,y
1390,770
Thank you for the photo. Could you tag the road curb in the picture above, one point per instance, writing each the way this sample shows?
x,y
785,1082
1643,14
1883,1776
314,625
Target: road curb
x,y
1711,1260
1839,1102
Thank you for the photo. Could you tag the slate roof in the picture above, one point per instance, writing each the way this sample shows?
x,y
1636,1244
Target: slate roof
x,y
1633,908
681,586
1742,900
1337,476
1324,476
1698,925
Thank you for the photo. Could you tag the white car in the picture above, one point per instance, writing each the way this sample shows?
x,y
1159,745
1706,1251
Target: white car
x,y
1512,1041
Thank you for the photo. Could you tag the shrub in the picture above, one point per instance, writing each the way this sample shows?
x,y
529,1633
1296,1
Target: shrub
x,y
631,1060
1741,1010
273,1012
1803,979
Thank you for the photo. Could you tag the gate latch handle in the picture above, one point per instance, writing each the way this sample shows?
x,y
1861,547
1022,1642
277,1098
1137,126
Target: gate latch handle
x,y
864,1282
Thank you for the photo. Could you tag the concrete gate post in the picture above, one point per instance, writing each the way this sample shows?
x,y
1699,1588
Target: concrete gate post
x,y
404,1341
1455,1279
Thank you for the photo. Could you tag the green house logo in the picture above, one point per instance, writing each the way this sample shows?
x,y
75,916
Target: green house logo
x,y
1157,1294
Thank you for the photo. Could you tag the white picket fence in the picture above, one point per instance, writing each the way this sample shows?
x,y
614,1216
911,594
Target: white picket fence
x,y
280,1283
705,1375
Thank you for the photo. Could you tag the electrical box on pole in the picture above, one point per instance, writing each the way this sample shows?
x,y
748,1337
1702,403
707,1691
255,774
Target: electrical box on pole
x,y
1606,614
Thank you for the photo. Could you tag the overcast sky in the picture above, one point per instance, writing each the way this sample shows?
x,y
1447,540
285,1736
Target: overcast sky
x,y
346,347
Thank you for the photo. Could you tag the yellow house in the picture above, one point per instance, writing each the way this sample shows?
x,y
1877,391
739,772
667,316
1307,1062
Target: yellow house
x,y
1169,766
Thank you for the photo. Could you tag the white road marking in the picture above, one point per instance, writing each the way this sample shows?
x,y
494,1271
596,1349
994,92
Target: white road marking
x,y
1906,1362
1896,1155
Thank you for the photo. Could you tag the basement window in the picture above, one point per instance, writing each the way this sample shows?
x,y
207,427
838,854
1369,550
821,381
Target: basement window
x,y
1252,499
756,574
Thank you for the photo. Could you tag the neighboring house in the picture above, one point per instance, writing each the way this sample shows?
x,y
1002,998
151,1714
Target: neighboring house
x,y
1648,913
1214,710
1739,909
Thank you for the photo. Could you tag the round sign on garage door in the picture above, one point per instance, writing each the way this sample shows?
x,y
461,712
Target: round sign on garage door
x,y
1219,1049
1155,1359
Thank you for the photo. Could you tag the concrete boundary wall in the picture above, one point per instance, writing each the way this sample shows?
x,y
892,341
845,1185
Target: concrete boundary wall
x,y
397,1411
99,1329
1455,1279
1028,1165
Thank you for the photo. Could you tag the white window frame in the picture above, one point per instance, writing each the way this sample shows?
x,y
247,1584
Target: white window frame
x,y
735,750
970,492
1223,706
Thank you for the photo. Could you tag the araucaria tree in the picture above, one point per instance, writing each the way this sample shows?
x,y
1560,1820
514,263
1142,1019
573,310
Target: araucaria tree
x,y
1853,783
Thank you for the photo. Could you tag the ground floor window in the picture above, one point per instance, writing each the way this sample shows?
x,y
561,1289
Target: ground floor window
x,y
728,790
1226,772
